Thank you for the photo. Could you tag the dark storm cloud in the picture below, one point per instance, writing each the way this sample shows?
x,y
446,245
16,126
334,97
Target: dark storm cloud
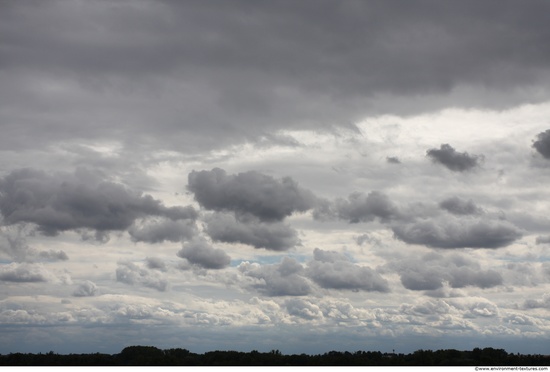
x,y
452,159
414,51
432,271
283,279
159,230
199,252
333,270
132,274
453,232
542,144
274,236
458,206
358,207
240,70
251,192
60,202
86,289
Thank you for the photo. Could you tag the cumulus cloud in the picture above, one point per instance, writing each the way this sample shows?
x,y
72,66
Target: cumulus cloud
x,y
275,236
15,246
542,303
132,274
155,263
283,279
21,316
199,252
333,270
303,309
86,289
476,307
60,202
542,144
24,272
427,308
452,159
519,319
418,279
453,232
458,206
432,271
158,230
358,207
251,192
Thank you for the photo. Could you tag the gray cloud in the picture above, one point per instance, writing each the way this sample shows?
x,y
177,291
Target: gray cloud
x,y
421,280
333,270
53,255
452,232
393,160
543,303
461,277
86,289
94,237
283,279
542,144
249,193
222,62
527,273
200,252
24,273
132,274
63,202
432,271
158,230
458,206
358,207
452,159
15,246
155,263
274,236
543,239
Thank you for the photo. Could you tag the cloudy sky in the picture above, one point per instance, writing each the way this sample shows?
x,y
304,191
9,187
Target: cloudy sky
x,y
296,175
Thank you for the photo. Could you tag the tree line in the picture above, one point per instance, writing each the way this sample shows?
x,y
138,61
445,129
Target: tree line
x,y
150,355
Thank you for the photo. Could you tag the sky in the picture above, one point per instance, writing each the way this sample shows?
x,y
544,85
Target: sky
x,y
302,176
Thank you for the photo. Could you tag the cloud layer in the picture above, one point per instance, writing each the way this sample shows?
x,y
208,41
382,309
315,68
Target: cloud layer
x,y
356,173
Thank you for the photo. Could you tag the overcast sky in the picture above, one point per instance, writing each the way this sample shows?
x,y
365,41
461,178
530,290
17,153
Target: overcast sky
x,y
296,175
